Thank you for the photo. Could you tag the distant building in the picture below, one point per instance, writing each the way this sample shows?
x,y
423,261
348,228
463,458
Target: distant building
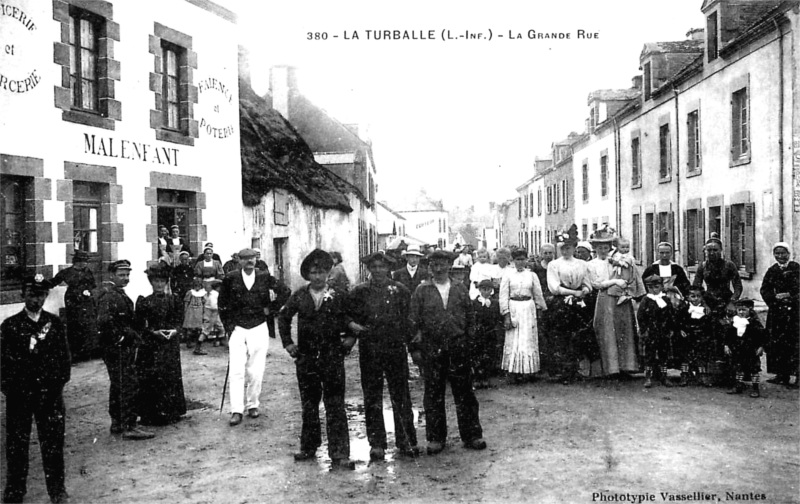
x,y
391,225
427,220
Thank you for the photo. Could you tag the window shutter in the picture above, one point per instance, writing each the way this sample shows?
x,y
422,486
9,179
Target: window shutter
x,y
750,237
733,129
686,243
700,237
671,228
726,232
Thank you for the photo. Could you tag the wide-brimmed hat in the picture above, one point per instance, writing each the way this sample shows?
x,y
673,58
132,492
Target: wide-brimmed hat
x,y
604,235
36,284
80,256
378,256
159,270
413,250
122,264
316,257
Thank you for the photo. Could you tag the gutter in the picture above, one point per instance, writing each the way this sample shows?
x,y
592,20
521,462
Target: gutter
x,y
677,223
780,130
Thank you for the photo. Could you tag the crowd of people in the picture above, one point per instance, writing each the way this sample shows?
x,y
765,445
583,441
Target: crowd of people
x,y
580,309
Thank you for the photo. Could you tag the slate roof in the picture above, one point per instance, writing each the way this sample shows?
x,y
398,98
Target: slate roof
x,y
614,94
681,46
274,156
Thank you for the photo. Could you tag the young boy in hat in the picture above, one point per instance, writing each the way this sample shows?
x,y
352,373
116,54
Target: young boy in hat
x,y
744,345
657,325
378,309
319,357
488,328
443,321
120,339
697,336
35,360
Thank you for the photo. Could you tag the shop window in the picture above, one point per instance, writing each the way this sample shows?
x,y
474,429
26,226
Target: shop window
x,y
13,254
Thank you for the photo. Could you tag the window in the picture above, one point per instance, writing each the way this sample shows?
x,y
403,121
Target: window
x,y
530,196
83,56
171,93
549,199
604,176
715,220
646,83
556,198
649,244
693,138
665,228
740,125
664,170
85,52
636,163
636,235
280,210
539,201
519,203
564,198
741,235
527,208
711,36
174,208
694,227
585,178
13,257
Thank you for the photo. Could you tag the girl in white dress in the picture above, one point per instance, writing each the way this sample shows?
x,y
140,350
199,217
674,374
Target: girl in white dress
x,y
520,295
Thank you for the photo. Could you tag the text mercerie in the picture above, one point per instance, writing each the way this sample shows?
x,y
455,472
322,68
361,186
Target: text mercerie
x,y
128,149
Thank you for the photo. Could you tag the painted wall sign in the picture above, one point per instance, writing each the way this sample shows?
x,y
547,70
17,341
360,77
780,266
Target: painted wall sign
x,y
128,149
216,100
15,25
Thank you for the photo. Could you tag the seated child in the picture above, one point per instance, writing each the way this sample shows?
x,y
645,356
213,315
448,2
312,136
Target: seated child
x,y
744,345
656,325
697,337
488,325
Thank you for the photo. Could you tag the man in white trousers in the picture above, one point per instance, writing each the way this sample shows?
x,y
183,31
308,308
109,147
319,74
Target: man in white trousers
x,y
246,297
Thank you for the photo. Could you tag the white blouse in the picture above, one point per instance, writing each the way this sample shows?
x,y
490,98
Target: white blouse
x,y
567,273
520,283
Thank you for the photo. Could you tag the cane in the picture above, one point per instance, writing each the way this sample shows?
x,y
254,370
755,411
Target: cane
x,y
227,372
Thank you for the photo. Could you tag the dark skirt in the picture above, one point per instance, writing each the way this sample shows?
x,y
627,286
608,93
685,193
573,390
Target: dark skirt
x,y
161,394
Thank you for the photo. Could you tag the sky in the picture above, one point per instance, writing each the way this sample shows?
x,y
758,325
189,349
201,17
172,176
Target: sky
x,y
464,118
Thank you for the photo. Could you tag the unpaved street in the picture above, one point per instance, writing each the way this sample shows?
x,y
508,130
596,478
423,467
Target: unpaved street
x,y
547,443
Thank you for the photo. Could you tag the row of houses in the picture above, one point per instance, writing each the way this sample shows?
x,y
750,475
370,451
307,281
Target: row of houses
x,y
706,139
119,117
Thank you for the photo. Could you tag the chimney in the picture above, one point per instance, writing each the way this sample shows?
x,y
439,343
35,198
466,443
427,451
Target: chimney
x,y
244,65
696,34
282,84
636,82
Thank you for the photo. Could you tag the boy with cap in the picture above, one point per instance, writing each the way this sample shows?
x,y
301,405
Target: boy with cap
x,y
656,318
488,324
319,357
245,299
378,309
35,360
744,344
443,321
697,343
120,340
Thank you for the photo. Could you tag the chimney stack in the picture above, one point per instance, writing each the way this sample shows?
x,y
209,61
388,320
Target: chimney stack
x,y
636,82
282,84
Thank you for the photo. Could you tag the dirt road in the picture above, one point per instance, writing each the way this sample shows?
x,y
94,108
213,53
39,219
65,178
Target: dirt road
x,y
597,441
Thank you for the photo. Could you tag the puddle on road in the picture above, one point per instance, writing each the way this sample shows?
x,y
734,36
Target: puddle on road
x,y
359,445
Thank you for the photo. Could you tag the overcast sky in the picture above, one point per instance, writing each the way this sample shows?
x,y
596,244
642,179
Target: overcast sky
x,y
462,118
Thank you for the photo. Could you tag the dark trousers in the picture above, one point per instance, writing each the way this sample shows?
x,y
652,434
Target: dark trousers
x,y
441,367
124,390
321,377
271,325
377,362
47,408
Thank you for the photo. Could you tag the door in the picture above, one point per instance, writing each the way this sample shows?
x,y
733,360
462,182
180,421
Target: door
x,y
86,223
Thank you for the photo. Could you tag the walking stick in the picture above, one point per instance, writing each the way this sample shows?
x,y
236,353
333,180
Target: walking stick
x,y
227,372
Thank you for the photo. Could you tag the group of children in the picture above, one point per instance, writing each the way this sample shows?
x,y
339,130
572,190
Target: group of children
x,y
201,314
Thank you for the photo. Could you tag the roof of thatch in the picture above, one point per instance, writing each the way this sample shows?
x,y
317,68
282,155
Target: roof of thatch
x,y
274,156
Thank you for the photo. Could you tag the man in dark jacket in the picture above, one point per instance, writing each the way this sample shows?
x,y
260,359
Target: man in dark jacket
x,y
443,322
379,312
120,341
412,274
246,298
35,360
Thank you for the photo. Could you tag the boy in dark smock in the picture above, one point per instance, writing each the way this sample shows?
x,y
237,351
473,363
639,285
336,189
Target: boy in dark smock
x,y
319,357
35,360
443,323
378,310
656,318
745,339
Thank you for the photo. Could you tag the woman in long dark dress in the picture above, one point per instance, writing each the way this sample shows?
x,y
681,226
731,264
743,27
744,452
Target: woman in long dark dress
x,y
81,315
781,291
159,361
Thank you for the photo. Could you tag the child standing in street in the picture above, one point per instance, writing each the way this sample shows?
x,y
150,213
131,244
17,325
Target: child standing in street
x,y
656,323
488,322
193,308
744,345
697,337
212,326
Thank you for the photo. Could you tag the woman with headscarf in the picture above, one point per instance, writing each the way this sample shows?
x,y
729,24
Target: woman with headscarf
x,y
719,276
614,323
568,281
520,296
781,291
207,266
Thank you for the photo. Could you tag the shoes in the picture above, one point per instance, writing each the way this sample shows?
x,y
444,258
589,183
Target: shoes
x,y
648,382
253,413
61,497
343,463
116,428
435,447
305,455
236,419
135,434
377,453
756,392
412,452
216,343
684,380
475,444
